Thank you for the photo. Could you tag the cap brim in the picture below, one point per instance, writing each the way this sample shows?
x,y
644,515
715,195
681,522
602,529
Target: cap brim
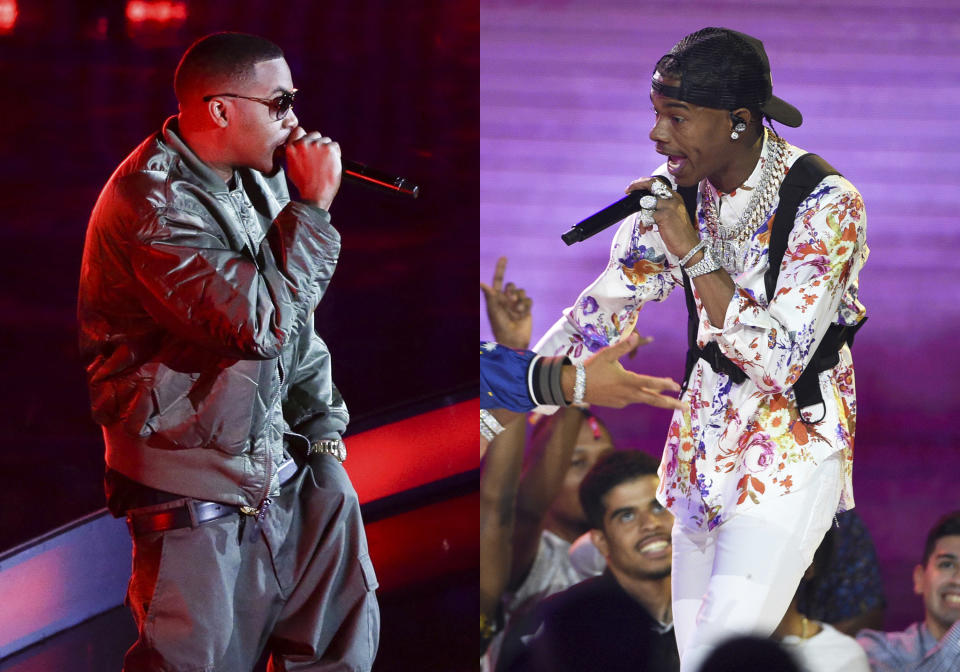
x,y
782,111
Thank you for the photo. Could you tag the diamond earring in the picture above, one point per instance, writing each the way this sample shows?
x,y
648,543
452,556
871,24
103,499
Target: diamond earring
x,y
737,130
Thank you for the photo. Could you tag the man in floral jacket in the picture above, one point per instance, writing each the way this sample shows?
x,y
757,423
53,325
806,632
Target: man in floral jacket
x,y
752,477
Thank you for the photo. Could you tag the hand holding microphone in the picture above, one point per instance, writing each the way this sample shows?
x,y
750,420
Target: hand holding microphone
x,y
666,214
626,206
314,167
319,181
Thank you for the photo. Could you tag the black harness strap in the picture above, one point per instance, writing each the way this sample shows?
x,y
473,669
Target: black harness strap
x,y
805,174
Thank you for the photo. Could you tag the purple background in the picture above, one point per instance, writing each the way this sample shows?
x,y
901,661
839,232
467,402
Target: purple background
x,y
564,118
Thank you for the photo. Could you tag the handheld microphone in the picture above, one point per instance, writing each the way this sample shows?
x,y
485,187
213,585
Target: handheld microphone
x,y
609,216
377,179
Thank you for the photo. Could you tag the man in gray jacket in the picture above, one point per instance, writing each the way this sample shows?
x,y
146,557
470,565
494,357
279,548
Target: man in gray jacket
x,y
221,421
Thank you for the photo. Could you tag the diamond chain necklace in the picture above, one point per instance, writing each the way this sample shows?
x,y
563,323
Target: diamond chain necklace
x,y
728,241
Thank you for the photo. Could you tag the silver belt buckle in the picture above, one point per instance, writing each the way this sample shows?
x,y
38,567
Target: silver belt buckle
x,y
335,447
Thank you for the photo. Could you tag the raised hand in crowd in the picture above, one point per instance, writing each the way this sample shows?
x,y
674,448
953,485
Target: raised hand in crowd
x,y
508,308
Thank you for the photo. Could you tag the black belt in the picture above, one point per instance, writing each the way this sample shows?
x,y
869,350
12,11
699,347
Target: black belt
x,y
196,512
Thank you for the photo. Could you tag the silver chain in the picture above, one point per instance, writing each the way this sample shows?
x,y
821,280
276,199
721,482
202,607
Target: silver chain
x,y
728,241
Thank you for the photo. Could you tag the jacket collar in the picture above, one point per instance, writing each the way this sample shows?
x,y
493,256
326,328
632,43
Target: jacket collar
x,y
204,173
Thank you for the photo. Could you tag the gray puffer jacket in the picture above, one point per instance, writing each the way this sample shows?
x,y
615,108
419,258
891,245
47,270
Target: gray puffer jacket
x,y
196,324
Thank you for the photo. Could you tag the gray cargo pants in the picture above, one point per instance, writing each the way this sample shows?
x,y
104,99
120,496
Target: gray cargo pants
x,y
300,582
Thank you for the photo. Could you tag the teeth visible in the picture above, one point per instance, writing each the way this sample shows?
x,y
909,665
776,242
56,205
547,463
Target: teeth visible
x,y
952,599
654,547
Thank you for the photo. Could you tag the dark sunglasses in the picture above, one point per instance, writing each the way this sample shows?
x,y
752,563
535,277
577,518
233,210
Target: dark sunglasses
x,y
279,106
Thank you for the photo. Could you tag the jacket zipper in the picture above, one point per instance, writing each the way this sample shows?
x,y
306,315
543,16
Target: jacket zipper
x,y
261,510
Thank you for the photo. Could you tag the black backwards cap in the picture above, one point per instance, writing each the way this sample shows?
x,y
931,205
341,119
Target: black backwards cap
x,y
723,69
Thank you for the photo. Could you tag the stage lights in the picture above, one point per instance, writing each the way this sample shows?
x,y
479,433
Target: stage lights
x,y
158,11
8,16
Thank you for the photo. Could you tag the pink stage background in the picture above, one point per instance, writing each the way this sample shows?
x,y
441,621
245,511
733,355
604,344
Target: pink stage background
x,y
564,119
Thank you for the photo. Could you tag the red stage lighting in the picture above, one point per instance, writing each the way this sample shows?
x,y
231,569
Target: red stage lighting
x,y
8,16
414,452
160,11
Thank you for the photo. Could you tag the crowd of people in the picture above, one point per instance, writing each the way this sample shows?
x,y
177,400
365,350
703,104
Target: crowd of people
x,y
576,572
576,560
587,583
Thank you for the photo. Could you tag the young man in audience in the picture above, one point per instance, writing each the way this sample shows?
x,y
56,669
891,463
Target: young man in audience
x,y
932,645
528,521
622,619
546,513
749,653
529,509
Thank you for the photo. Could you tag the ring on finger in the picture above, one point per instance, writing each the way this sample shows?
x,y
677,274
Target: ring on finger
x,y
646,216
660,190
648,202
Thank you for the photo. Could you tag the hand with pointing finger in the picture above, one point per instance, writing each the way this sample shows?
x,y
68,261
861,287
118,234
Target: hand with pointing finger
x,y
508,309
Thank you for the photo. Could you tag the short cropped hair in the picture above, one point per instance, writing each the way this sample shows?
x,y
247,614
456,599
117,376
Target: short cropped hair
x,y
219,59
610,471
823,558
947,526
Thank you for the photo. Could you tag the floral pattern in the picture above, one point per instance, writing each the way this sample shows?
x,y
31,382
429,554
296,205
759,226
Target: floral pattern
x,y
741,444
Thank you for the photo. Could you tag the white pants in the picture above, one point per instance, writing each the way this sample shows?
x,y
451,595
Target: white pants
x,y
740,577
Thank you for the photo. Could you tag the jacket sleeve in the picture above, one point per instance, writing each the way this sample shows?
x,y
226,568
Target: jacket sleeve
x,y
314,407
773,340
204,291
519,380
639,270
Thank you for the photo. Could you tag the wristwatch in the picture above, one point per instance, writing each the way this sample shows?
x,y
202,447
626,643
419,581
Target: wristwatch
x,y
335,447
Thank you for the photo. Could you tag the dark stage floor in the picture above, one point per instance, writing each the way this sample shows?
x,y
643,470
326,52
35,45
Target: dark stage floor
x,y
99,644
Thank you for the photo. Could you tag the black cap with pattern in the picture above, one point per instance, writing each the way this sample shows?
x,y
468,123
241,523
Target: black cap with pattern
x,y
724,69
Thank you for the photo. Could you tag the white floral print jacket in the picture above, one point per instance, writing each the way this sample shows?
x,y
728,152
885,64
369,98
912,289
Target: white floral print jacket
x,y
740,444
